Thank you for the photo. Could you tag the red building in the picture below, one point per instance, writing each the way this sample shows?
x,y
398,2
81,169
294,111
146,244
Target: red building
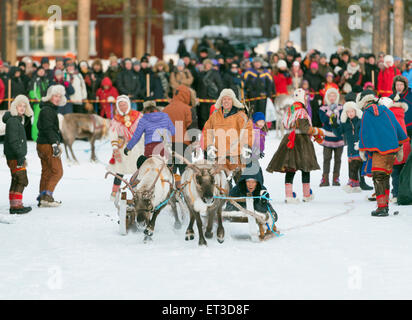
x,y
37,39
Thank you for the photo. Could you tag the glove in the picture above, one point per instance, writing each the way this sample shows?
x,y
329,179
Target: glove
x,y
57,151
246,152
126,151
262,155
20,162
356,145
211,152
116,155
399,154
363,155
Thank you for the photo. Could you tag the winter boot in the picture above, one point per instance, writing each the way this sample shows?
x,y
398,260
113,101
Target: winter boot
x,y
307,193
372,197
47,201
380,212
325,181
16,203
290,195
20,210
363,184
356,186
336,182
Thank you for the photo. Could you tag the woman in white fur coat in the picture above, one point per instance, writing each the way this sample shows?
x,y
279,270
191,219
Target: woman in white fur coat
x,y
121,130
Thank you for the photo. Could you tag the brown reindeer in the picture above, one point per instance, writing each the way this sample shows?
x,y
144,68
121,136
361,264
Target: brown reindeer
x,y
79,126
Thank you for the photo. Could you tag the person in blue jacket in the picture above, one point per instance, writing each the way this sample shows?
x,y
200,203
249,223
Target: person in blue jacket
x,y
380,142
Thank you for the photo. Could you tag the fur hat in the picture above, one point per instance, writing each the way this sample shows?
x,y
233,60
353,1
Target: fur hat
x,y
388,60
53,90
329,91
282,64
347,106
231,94
400,79
299,95
18,100
364,97
125,99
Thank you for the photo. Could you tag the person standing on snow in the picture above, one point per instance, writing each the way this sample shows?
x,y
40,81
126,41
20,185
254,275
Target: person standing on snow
x,y
296,151
328,113
381,139
48,145
349,127
15,150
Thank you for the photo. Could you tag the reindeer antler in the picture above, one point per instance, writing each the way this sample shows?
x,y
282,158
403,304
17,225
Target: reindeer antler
x,y
187,162
118,177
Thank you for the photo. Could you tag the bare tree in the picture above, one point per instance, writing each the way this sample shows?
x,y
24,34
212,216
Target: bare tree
x,y
83,34
376,26
140,28
383,26
398,26
303,24
267,20
285,21
127,30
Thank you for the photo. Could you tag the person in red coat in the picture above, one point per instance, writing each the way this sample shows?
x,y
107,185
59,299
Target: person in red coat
x,y
106,94
399,108
282,78
385,77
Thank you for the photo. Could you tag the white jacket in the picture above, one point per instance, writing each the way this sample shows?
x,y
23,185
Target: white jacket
x,y
79,86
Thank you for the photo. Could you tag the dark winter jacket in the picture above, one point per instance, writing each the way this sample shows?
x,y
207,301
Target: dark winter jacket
x,y
258,83
327,117
315,80
48,124
17,83
371,74
350,131
240,190
210,84
156,89
233,81
129,83
15,141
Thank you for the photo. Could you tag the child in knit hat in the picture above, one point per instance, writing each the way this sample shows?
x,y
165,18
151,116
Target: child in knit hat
x,y
259,135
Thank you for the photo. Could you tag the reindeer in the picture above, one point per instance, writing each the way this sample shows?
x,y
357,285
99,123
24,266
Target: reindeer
x,y
282,103
154,190
201,183
78,125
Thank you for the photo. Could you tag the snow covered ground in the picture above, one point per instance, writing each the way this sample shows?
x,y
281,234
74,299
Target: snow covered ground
x,y
76,252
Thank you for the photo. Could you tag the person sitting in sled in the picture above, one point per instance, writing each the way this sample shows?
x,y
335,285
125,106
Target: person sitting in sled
x,y
381,138
250,184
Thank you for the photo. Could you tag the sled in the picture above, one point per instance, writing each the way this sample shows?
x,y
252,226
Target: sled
x,y
255,221
127,215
